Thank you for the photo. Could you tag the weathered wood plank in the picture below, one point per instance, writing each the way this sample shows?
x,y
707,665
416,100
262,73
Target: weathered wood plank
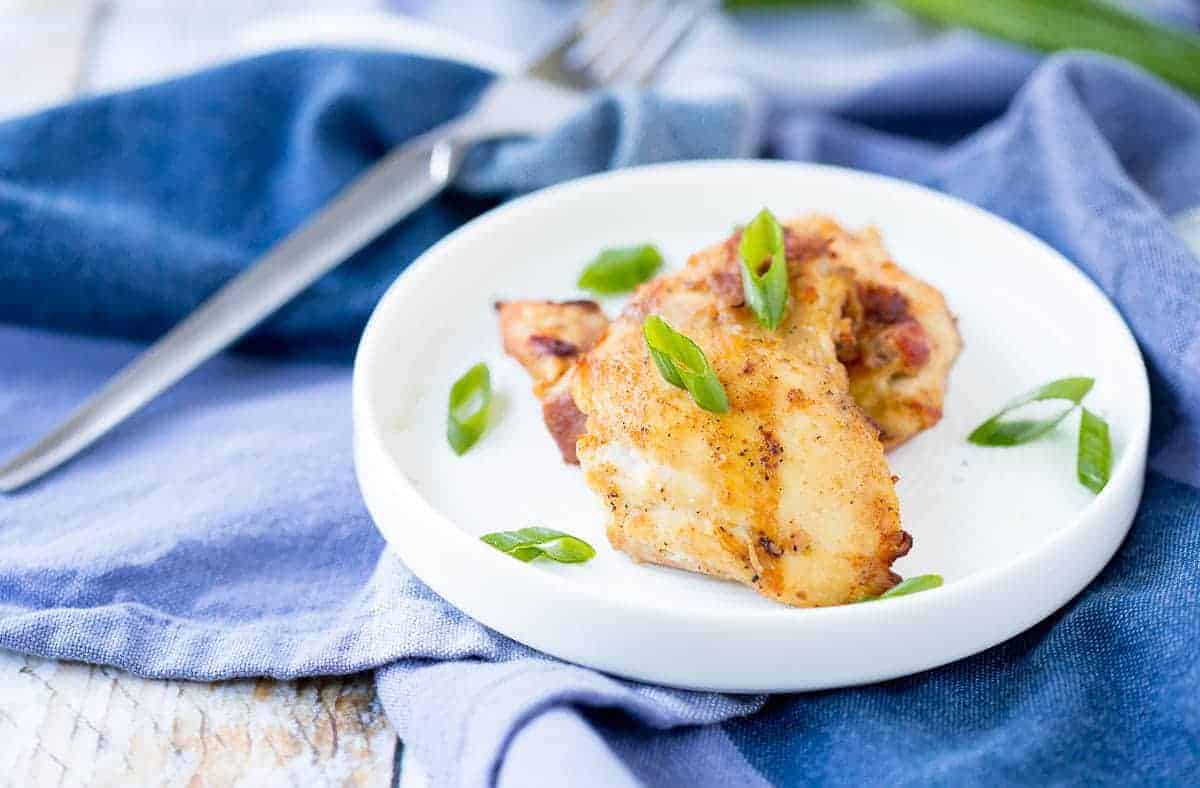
x,y
70,724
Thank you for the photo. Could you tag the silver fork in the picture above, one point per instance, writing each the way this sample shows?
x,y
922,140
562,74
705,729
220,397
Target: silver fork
x,y
618,41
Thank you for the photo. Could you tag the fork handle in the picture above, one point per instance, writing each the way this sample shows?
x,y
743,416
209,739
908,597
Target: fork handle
x,y
403,181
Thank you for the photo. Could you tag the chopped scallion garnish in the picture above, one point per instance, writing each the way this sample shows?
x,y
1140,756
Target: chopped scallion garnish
x,y
1094,457
910,586
470,399
766,292
1095,452
620,270
530,543
683,364
997,432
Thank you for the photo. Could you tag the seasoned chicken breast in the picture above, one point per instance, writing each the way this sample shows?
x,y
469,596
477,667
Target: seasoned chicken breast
x,y
789,491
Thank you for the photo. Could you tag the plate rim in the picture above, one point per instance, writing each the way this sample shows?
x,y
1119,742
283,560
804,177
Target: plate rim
x,y
1128,472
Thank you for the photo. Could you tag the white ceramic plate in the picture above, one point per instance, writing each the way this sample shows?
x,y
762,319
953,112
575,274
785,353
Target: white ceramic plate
x,y
1012,531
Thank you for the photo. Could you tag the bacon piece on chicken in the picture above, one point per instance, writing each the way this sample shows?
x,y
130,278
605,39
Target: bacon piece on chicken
x,y
898,340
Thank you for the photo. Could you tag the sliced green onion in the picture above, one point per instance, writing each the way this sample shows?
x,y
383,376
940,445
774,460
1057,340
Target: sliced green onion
x,y
683,364
667,368
470,398
1095,452
997,432
766,294
530,543
910,586
621,270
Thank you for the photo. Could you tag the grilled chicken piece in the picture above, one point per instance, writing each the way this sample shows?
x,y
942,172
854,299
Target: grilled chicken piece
x,y
789,491
547,338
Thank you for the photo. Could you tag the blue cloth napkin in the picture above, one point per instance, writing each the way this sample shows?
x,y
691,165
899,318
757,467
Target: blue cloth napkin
x,y
219,533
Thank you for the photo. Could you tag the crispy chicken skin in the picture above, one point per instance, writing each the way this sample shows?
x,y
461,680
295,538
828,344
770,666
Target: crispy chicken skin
x,y
547,338
789,492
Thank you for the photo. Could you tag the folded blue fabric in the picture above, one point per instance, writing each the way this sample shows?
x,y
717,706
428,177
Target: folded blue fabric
x,y
120,214
220,533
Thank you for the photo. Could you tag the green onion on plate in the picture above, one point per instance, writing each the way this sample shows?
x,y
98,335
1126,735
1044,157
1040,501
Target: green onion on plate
x,y
1095,452
1094,458
530,543
912,585
998,432
470,400
620,270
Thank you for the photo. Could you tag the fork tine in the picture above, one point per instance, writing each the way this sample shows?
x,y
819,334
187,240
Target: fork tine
x,y
674,30
601,29
607,67
554,65
624,40
601,24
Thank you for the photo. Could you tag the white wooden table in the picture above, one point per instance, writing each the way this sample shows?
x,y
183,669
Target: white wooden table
x,y
69,724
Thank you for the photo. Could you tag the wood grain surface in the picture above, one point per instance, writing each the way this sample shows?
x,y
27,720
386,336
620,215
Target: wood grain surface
x,y
69,724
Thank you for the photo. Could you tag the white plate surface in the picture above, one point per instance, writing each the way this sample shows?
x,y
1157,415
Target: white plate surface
x,y
1012,531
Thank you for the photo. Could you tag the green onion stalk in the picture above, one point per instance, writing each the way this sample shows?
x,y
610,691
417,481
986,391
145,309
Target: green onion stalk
x,y
1053,25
